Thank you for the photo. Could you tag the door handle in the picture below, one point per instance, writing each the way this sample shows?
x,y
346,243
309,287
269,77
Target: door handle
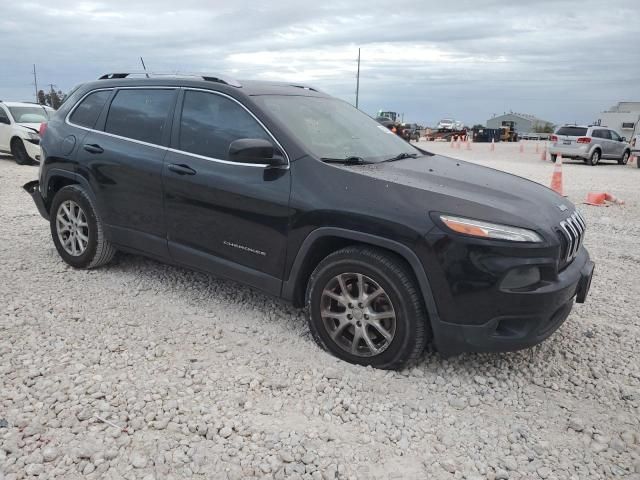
x,y
181,169
93,148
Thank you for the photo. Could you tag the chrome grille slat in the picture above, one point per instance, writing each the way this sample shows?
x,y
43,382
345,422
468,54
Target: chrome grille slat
x,y
573,230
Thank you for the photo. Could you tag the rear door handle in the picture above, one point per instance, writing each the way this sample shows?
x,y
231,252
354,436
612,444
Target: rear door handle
x,y
181,169
93,148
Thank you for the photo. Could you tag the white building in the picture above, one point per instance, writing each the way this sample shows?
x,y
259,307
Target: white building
x,y
621,118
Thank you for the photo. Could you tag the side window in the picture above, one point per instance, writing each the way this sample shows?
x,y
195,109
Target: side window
x,y
87,112
596,134
210,122
140,114
605,134
614,136
4,118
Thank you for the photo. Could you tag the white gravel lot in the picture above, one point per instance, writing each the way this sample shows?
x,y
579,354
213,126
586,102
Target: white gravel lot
x,y
143,370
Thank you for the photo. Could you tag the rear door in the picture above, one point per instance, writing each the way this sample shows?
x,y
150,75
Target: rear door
x,y
226,217
608,148
122,158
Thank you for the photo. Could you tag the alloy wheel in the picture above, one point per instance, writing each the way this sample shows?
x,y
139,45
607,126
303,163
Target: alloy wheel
x,y
72,228
358,314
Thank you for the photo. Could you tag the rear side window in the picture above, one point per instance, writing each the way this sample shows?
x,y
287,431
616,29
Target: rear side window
x,y
210,122
572,131
140,114
87,112
3,116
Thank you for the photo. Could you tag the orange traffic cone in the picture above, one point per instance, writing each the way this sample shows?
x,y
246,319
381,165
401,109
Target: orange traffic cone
x,y
556,178
458,143
521,147
543,155
493,145
612,198
451,142
633,159
595,198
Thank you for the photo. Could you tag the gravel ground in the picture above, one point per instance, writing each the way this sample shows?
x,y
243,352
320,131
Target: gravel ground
x,y
143,370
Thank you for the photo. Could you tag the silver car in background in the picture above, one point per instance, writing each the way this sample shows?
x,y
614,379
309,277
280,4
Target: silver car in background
x,y
589,143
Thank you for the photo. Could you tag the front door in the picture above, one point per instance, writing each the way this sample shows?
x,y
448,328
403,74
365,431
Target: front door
x,y
228,218
5,130
617,145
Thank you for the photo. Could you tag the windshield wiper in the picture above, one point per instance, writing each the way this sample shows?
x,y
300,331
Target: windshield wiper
x,y
353,160
401,156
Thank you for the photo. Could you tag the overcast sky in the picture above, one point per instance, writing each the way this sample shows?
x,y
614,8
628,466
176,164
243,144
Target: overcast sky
x,y
563,61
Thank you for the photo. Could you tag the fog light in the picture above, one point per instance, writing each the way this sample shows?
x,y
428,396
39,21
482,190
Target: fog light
x,y
521,277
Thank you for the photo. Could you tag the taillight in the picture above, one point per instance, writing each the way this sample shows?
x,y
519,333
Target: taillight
x,y
43,128
554,138
584,140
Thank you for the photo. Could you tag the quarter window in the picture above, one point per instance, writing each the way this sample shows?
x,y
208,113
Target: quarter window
x,y
210,122
87,112
140,114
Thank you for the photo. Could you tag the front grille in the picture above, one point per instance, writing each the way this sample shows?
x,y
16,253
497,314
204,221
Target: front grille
x,y
572,233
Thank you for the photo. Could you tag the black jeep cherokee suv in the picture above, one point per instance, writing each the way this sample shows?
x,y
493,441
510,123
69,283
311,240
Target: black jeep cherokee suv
x,y
300,195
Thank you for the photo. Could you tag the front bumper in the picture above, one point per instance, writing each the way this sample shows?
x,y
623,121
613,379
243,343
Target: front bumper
x,y
33,189
525,318
33,150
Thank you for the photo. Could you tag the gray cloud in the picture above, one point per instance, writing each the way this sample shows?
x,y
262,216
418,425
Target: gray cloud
x,y
560,60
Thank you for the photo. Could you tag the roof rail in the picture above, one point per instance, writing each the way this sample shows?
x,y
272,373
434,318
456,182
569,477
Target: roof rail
x,y
209,78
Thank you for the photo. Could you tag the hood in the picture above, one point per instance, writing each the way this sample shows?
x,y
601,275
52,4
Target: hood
x,y
34,127
466,189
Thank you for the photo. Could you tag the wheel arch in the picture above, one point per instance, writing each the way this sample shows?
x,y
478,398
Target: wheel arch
x,y
57,179
325,240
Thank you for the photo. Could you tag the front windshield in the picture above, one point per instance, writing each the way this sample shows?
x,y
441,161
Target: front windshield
x,y
29,114
333,129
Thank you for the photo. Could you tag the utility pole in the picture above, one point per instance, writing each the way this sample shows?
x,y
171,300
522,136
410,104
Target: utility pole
x,y
358,80
35,81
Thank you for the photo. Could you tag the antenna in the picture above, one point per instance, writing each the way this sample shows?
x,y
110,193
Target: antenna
x,y
358,80
144,67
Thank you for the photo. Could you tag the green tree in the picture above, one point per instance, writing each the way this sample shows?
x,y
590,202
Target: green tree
x,y
54,99
42,97
546,128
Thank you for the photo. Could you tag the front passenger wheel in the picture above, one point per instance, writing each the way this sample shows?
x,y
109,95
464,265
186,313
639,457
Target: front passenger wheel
x,y
625,158
77,230
19,152
363,306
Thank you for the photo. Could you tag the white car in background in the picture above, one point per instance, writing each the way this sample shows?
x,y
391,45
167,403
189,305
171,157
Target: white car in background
x,y
446,124
20,130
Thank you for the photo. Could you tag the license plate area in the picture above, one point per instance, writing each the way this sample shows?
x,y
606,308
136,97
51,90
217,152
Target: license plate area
x,y
566,142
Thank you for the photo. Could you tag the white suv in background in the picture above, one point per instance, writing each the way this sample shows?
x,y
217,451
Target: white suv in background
x,y
590,143
19,130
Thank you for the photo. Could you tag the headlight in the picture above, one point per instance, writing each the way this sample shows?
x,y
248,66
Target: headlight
x,y
33,136
481,229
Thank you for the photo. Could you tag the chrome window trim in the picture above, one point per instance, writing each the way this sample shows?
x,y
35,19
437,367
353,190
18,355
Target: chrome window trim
x,y
174,150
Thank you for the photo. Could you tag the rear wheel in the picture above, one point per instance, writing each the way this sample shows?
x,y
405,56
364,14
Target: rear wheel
x,y
625,158
77,230
594,159
19,152
364,307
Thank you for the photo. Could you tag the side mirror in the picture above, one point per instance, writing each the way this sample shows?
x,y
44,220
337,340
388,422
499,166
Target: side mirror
x,y
623,139
255,150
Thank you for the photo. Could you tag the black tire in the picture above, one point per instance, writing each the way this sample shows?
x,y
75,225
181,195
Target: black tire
x,y
411,332
19,152
595,157
99,250
625,158
554,157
